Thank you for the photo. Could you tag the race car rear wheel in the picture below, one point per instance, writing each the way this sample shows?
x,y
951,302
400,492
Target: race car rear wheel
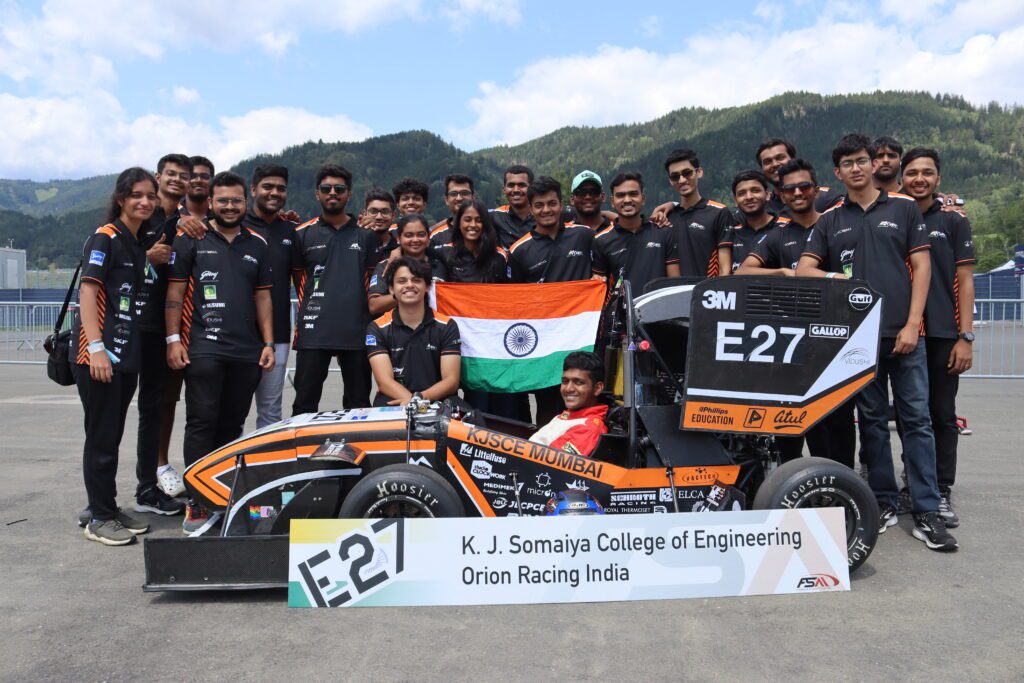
x,y
402,491
817,482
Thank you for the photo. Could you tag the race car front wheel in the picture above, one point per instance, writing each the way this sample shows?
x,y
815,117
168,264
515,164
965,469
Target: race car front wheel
x,y
402,491
818,482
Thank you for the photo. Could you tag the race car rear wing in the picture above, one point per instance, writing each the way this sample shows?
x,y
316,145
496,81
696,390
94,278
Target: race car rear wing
x,y
775,355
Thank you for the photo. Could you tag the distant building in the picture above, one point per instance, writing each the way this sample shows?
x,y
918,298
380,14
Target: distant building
x,y
12,268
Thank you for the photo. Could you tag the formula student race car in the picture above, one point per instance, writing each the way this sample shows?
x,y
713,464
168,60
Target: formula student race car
x,y
707,376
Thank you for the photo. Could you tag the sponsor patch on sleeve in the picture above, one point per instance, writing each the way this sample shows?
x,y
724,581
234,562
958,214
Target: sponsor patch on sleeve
x,y
371,340
173,254
373,281
97,257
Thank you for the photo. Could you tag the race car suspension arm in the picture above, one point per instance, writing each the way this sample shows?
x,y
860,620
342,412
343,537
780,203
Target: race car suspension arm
x,y
515,484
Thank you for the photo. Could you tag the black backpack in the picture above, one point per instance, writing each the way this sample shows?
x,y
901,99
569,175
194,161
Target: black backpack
x,y
58,344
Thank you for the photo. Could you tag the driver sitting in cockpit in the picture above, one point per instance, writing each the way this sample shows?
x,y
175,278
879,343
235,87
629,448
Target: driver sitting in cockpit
x,y
578,428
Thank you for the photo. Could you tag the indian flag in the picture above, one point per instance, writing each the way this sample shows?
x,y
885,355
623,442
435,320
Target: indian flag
x,y
515,337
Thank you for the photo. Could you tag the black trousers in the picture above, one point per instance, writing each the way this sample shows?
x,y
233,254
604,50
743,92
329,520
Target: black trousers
x,y
152,382
835,437
106,408
942,390
218,395
311,366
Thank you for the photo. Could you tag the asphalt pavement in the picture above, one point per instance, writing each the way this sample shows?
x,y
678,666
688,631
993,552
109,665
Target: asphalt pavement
x,y
74,610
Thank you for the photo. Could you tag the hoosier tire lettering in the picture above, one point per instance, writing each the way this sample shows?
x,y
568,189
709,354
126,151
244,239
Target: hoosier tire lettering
x,y
393,488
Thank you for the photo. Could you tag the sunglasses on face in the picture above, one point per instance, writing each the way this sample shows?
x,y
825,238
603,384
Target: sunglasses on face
x,y
687,173
587,192
340,188
791,188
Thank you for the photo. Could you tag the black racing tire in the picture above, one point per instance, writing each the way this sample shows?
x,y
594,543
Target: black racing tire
x,y
818,482
402,491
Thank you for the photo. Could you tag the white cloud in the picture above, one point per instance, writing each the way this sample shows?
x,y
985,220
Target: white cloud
x,y
615,84
650,26
182,95
91,134
459,12
769,12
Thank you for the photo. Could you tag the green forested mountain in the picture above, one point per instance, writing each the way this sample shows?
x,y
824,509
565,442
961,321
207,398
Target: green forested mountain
x,y
982,149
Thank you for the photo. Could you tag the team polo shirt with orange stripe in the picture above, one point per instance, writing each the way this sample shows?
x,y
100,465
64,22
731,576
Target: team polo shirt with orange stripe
x,y
333,268
538,258
415,353
114,260
509,226
782,247
279,235
441,232
218,318
745,238
949,234
700,231
461,265
643,255
873,245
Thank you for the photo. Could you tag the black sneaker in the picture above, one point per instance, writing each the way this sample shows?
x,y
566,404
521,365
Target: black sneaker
x,y
84,517
931,528
159,503
903,504
886,517
946,510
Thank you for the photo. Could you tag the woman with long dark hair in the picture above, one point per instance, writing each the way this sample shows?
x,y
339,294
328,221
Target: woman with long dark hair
x,y
412,235
106,351
473,255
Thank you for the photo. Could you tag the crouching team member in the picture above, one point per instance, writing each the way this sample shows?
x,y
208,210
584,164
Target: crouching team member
x,y
219,325
106,349
578,428
413,350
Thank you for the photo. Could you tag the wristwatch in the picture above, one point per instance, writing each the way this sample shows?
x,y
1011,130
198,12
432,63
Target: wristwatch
x,y
268,345
967,337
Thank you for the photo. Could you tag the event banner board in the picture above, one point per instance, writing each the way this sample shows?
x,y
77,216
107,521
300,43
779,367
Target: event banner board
x,y
595,558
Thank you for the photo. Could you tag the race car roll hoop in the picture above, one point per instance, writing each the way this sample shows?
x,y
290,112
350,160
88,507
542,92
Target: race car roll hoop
x,y
706,375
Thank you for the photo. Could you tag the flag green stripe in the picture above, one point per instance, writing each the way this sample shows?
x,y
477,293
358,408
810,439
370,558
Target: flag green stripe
x,y
510,376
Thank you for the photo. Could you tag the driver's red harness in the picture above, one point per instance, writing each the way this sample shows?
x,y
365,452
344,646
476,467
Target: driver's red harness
x,y
576,431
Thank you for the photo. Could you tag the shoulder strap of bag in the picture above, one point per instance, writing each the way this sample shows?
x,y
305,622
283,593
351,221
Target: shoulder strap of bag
x,y
67,300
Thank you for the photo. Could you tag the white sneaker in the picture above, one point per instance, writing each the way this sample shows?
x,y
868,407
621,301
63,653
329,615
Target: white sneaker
x,y
170,482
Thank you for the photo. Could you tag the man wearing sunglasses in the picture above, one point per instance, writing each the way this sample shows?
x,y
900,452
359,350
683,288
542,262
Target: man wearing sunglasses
x,y
872,235
702,227
778,253
587,199
772,155
513,220
458,188
332,260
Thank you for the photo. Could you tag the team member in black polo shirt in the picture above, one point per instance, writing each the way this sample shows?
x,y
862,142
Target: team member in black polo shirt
x,y
750,192
473,255
413,240
778,253
411,196
949,313
513,220
551,251
458,188
269,190
105,349
634,246
158,386
702,227
219,324
871,235
413,350
333,260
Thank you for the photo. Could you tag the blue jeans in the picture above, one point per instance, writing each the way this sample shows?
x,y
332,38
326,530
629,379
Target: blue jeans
x,y
909,376
271,388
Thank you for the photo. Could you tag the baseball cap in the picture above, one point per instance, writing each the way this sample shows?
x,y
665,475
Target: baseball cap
x,y
583,177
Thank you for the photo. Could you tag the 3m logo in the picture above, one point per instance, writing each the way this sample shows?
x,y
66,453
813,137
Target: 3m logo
x,y
722,301
817,581
754,418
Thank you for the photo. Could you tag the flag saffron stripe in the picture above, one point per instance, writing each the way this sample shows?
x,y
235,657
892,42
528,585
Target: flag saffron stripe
x,y
508,302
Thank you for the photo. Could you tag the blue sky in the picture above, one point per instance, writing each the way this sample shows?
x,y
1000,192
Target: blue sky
x,y
90,88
